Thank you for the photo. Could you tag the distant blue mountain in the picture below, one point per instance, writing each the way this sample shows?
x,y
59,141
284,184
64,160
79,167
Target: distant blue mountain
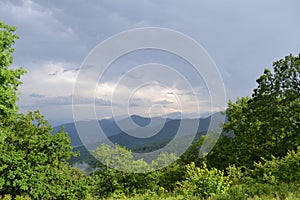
x,y
136,131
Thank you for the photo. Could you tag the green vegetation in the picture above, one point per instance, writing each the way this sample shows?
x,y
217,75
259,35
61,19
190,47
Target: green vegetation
x,y
261,161
33,162
268,123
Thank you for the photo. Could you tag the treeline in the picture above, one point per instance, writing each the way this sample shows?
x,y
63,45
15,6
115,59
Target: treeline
x,y
262,160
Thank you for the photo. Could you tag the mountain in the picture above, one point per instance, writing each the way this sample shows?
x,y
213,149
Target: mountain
x,y
108,125
135,131
140,134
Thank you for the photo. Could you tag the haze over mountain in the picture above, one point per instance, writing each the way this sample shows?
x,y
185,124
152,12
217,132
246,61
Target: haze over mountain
x,y
135,130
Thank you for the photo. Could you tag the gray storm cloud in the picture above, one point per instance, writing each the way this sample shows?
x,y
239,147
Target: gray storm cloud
x,y
243,37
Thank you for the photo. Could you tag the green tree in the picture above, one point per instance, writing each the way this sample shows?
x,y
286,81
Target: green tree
x,y
268,123
33,162
116,174
170,171
9,78
192,153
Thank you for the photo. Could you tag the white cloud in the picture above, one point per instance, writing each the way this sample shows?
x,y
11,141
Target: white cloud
x,y
49,79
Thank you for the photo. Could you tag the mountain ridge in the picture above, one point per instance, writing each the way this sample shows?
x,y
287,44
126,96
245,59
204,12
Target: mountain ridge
x,y
127,129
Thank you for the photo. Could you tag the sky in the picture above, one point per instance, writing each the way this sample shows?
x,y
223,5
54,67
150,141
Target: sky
x,y
241,37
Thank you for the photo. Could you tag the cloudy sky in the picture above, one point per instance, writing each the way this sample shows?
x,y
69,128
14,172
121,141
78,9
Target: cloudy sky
x,y
242,38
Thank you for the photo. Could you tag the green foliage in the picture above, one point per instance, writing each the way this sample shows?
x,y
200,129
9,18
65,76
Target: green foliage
x,y
18,197
202,182
235,175
32,160
268,123
265,151
278,170
9,78
271,179
224,153
168,177
192,153
116,174
119,158
260,191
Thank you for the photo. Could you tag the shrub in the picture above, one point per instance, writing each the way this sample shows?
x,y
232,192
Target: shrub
x,y
277,170
202,182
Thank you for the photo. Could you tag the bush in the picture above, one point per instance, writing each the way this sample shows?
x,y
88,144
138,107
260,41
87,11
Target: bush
x,y
278,170
202,182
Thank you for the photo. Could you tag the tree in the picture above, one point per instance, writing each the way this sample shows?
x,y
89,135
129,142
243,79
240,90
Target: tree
x,y
116,174
268,123
192,153
33,162
9,78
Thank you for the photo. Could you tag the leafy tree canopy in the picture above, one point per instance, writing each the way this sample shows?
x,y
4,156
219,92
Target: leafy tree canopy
x,y
32,160
9,78
266,124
